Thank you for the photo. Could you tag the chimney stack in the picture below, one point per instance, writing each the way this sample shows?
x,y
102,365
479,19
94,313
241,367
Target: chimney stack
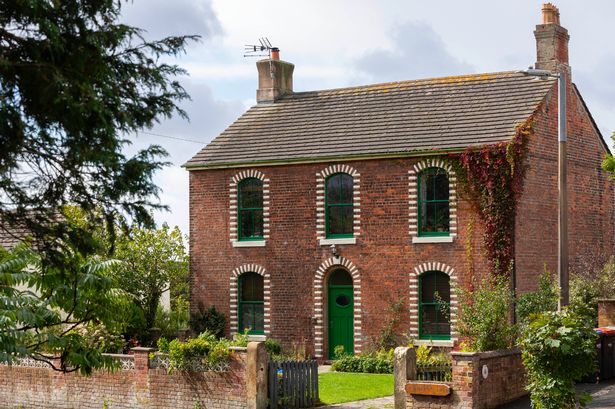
x,y
551,41
275,78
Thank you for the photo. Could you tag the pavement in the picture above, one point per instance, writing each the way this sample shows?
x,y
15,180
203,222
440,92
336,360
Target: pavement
x,y
603,395
379,403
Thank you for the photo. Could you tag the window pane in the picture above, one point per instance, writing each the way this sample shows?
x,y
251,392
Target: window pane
x,y
259,317
346,196
441,186
428,217
251,193
429,319
428,180
441,217
334,189
443,287
246,316
340,277
428,287
251,287
340,219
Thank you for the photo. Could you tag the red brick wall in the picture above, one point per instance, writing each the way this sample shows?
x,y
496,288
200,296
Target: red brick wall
x,y
25,387
383,255
590,200
505,381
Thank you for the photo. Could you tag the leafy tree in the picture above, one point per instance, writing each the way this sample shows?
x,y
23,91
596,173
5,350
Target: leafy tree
x,y
42,307
151,261
73,81
608,163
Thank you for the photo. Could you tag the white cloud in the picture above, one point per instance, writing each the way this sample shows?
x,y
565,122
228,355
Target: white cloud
x,y
417,52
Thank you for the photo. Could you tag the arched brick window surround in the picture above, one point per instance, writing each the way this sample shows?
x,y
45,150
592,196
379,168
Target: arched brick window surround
x,y
319,312
413,173
234,295
320,197
414,296
235,180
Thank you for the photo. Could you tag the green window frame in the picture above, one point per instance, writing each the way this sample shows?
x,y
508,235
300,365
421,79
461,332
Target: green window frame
x,y
433,203
251,303
434,296
250,209
339,206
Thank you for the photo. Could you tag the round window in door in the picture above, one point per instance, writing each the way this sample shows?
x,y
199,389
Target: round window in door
x,y
340,312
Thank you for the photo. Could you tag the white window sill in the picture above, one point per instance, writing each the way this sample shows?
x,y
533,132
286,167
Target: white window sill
x,y
257,338
345,240
434,239
435,343
255,243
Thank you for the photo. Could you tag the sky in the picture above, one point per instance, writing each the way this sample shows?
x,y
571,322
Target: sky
x,y
339,43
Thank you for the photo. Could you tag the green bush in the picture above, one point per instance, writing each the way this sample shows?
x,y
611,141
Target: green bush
x,y
558,348
587,287
483,321
273,347
539,301
208,319
372,362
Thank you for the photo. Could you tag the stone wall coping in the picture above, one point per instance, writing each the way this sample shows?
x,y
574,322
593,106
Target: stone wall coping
x,y
142,349
238,349
129,356
487,354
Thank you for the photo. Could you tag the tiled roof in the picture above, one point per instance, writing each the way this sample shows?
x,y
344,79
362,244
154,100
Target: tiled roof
x,y
448,113
10,237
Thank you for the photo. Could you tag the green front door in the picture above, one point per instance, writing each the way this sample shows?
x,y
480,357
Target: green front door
x,y
341,307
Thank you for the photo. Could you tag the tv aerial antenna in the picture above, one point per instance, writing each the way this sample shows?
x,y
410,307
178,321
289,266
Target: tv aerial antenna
x,y
264,49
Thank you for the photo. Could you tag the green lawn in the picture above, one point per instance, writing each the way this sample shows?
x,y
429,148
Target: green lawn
x,y
338,387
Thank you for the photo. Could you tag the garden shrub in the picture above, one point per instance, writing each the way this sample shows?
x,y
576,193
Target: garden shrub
x,y
425,356
587,287
208,319
483,321
273,347
371,362
558,348
535,302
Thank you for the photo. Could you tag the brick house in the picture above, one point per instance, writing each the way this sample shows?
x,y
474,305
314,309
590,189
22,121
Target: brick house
x,y
315,212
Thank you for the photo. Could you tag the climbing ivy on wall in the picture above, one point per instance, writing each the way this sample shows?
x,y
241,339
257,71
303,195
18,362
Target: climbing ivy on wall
x,y
492,176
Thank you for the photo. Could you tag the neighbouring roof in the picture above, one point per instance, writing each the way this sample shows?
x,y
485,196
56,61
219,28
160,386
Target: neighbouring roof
x,y
11,237
440,114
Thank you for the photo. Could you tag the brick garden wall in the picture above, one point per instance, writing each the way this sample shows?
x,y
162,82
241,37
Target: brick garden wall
x,y
505,381
139,387
590,195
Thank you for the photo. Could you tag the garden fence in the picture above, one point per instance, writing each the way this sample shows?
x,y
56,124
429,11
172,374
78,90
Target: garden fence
x,y
293,384
442,372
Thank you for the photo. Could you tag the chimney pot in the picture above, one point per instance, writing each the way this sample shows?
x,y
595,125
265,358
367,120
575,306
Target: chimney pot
x,y
275,54
550,14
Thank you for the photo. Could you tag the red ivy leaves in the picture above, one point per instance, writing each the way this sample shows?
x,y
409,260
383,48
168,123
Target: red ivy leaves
x,y
492,176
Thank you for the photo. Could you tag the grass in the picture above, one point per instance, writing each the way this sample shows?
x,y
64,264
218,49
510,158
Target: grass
x,y
339,387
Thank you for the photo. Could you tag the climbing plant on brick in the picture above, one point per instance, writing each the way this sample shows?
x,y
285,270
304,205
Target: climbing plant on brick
x,y
492,176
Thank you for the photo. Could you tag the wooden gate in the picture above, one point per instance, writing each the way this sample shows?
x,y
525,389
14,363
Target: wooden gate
x,y
293,384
